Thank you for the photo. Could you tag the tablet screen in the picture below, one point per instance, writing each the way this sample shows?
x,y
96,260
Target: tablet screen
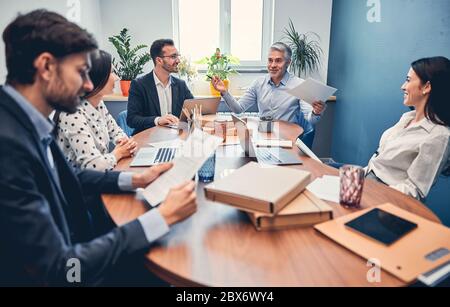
x,y
381,226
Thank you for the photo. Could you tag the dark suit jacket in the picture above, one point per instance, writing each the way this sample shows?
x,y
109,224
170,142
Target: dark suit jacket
x,y
143,101
43,224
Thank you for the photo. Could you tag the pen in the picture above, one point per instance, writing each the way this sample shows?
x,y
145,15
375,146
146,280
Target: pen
x,y
186,113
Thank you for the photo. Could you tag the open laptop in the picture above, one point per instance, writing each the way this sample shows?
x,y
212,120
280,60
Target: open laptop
x,y
274,156
149,156
208,106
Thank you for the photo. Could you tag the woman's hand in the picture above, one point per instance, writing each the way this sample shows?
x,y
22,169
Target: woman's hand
x,y
125,148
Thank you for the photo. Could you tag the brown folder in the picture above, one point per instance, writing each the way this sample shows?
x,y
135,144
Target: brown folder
x,y
407,258
261,188
305,210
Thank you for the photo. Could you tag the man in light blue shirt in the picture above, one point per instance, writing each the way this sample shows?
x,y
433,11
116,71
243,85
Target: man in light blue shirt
x,y
270,95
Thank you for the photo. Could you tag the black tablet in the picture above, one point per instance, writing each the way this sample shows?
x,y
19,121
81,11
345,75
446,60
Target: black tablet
x,y
381,226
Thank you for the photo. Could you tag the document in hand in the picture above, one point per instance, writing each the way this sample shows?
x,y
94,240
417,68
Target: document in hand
x,y
195,151
312,90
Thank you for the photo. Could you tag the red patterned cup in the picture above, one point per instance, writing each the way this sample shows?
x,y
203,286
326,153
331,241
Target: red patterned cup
x,y
352,183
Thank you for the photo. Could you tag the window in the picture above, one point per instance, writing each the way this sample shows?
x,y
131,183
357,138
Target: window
x,y
242,28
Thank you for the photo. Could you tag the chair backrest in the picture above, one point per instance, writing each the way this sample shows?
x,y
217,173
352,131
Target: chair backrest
x,y
308,138
446,172
122,122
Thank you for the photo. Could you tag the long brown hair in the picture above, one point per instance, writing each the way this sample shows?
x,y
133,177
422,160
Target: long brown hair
x,y
100,71
436,70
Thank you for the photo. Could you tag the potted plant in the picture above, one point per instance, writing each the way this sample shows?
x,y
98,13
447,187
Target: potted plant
x,y
130,64
219,65
187,71
306,51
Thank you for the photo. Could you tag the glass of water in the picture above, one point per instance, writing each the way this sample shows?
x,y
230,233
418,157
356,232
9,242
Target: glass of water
x,y
206,172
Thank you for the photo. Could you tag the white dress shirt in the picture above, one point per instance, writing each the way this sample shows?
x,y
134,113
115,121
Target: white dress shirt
x,y
410,159
164,96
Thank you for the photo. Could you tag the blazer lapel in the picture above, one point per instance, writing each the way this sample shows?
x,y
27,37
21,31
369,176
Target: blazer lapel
x,y
78,215
25,121
153,94
176,109
21,118
55,181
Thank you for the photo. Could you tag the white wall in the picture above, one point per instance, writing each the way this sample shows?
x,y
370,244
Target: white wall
x,y
89,18
148,20
307,16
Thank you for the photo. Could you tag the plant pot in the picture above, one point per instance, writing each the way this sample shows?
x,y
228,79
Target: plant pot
x,y
217,93
125,87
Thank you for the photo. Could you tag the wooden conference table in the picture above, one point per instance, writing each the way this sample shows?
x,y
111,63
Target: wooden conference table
x,y
218,245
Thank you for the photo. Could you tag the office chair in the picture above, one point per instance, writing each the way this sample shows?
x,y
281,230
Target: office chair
x,y
122,122
446,172
308,138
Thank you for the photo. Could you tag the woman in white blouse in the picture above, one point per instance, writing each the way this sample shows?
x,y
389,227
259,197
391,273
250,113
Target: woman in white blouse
x,y
413,153
85,135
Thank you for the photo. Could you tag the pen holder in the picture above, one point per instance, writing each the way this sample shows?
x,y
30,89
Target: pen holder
x,y
266,124
220,129
189,126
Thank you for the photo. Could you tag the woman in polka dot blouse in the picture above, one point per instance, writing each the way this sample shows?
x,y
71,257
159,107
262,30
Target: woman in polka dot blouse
x,y
85,135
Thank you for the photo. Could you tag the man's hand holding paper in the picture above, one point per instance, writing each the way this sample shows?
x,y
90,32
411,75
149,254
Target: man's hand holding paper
x,y
313,92
195,151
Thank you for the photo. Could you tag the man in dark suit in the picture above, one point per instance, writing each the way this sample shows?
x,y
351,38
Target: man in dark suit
x,y
49,231
157,98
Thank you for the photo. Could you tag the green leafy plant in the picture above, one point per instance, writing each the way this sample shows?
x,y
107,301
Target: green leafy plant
x,y
219,65
131,64
306,50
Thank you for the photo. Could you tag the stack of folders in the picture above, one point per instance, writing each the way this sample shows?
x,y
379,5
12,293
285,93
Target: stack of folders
x,y
272,196
305,210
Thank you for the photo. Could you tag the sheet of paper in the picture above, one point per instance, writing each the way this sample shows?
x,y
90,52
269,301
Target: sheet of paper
x,y
312,90
194,153
326,188
305,149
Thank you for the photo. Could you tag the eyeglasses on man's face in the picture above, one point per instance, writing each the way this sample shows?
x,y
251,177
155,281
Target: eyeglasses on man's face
x,y
172,56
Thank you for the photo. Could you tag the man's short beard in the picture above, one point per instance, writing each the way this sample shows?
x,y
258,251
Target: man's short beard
x,y
64,106
57,98
167,68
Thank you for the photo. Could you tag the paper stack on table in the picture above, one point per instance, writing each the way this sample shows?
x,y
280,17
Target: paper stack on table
x,y
326,188
193,154
312,90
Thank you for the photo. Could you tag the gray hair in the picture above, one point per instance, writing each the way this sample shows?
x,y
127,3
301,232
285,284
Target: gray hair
x,y
282,47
